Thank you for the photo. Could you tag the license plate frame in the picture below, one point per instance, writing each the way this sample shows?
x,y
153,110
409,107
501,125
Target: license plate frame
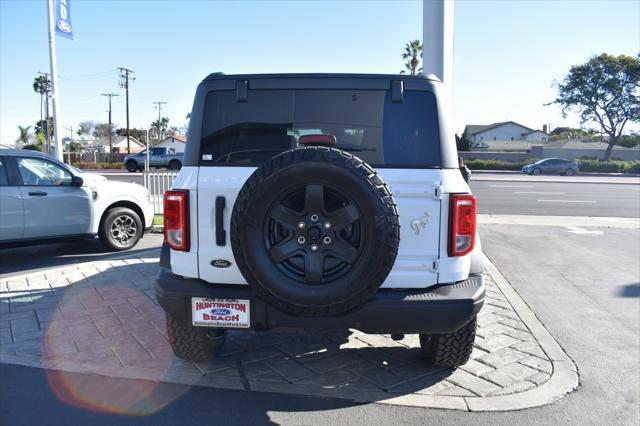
x,y
220,313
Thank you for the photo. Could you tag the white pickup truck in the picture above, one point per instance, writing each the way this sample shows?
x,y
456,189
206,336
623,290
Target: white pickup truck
x,y
44,200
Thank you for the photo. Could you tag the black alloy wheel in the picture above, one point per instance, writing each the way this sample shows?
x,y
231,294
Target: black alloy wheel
x,y
314,234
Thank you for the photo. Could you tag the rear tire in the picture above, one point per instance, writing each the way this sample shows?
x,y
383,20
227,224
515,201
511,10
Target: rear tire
x,y
193,343
175,165
449,349
132,166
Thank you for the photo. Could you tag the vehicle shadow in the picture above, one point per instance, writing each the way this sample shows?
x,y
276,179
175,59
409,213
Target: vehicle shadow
x,y
20,259
630,290
107,322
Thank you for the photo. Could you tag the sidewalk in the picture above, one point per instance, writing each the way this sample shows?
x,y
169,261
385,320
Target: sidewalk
x,y
102,318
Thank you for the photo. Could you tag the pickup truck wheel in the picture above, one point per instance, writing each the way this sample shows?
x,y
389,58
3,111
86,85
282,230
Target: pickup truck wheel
x,y
449,349
175,165
132,166
315,231
193,343
121,228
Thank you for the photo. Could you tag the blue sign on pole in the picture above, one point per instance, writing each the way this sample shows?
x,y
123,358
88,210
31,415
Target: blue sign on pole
x,y
63,18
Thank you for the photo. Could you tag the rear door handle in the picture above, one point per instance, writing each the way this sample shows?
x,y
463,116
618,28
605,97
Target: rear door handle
x,y
37,193
221,234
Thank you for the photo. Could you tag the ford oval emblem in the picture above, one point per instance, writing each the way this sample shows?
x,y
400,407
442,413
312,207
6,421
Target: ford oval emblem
x,y
64,26
220,311
220,263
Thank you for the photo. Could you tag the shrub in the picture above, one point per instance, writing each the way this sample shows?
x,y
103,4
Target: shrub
x,y
92,165
478,164
611,166
585,165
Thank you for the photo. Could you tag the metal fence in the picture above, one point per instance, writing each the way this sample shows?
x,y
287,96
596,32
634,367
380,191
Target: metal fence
x,y
157,183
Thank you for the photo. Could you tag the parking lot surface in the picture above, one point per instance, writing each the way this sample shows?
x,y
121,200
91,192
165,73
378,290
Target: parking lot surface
x,y
101,317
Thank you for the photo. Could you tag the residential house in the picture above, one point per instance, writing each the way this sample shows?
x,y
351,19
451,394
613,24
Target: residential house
x,y
504,131
118,144
175,144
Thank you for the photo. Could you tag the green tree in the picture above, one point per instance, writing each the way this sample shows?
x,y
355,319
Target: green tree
x,y
139,134
159,129
412,56
41,126
86,129
604,90
463,142
24,136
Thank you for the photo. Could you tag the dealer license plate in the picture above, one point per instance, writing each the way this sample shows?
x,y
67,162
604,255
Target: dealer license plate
x,y
223,313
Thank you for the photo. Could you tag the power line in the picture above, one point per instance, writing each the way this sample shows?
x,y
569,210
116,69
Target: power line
x,y
124,83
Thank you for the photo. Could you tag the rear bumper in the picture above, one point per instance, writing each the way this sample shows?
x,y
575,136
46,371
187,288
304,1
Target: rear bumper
x,y
440,309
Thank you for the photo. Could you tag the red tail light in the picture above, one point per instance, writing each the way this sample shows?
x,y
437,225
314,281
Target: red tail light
x,y
462,224
176,219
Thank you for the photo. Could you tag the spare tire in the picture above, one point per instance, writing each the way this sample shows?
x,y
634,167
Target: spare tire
x,y
315,231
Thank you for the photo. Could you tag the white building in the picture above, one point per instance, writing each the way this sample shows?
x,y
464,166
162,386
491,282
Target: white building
x,y
504,131
118,143
175,143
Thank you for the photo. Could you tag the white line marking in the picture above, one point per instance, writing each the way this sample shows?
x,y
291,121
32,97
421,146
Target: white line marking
x,y
581,231
567,201
539,192
511,186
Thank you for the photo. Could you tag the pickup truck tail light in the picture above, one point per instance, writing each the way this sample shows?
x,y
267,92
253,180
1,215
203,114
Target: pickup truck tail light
x,y
462,224
176,219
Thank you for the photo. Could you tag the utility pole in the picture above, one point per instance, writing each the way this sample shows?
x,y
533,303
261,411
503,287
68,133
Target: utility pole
x,y
124,83
44,89
111,95
159,107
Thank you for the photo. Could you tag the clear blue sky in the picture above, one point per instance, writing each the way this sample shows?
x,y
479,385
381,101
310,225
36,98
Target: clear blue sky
x,y
507,53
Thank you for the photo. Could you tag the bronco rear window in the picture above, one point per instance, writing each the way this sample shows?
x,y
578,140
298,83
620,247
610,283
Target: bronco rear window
x,y
366,123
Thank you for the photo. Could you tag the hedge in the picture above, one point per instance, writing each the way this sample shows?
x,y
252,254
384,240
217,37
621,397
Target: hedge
x,y
496,164
92,165
611,166
584,165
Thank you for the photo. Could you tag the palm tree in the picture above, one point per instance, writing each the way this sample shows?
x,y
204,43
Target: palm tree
x,y
24,138
412,55
41,85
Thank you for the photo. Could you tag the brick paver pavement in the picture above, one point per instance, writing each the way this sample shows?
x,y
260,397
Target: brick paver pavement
x,y
101,317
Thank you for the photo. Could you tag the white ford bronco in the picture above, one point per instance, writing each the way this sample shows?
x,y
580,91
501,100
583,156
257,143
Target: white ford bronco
x,y
321,201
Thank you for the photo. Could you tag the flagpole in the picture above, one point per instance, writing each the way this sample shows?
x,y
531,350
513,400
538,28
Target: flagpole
x,y
54,83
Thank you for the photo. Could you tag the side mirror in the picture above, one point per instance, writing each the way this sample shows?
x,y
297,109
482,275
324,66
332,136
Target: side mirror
x,y
77,181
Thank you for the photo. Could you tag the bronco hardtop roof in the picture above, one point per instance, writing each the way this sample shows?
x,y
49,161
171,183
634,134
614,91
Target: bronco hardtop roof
x,y
406,77
220,81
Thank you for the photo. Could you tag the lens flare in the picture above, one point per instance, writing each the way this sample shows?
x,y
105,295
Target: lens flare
x,y
116,332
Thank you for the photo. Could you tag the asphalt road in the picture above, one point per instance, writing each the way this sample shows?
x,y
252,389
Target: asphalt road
x,y
504,193
557,198
31,259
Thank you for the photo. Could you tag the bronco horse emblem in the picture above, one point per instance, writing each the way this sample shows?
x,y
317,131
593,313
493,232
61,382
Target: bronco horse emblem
x,y
420,222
